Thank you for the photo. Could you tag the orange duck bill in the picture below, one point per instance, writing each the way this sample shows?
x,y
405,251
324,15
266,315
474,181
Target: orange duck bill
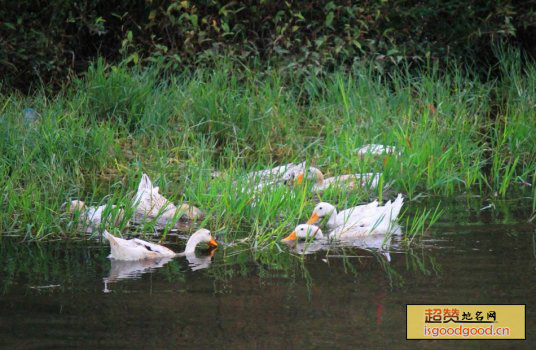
x,y
299,179
291,237
313,219
213,243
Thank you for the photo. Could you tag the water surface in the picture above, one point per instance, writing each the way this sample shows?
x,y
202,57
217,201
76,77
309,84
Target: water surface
x,y
69,295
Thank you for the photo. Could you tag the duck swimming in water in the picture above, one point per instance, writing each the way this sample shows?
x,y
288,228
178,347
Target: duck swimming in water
x,y
367,216
137,249
380,221
336,219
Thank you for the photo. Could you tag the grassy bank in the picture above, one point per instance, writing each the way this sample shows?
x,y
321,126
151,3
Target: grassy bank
x,y
457,134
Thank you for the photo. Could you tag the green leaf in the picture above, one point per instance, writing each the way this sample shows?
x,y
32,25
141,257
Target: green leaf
x,y
329,19
193,19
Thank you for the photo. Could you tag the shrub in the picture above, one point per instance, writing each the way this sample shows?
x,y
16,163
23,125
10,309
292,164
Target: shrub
x,y
45,40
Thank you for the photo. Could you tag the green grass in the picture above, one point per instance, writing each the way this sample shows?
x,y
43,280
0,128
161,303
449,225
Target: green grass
x,y
457,134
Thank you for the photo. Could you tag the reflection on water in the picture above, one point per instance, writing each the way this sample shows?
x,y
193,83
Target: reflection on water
x,y
198,261
349,295
375,246
121,270
379,244
309,247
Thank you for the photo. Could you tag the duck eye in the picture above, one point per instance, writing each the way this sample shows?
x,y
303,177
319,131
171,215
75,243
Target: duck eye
x,y
320,208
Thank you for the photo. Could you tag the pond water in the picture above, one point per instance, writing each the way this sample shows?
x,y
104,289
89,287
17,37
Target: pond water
x,y
69,295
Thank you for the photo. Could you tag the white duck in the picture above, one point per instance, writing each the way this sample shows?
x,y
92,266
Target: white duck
x,y
137,249
377,150
382,221
93,216
348,182
151,204
255,182
277,173
325,209
305,231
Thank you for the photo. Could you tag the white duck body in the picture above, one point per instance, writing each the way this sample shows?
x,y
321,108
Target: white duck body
x,y
264,175
346,216
137,249
93,216
382,218
257,181
150,204
277,173
254,182
382,221
376,150
349,182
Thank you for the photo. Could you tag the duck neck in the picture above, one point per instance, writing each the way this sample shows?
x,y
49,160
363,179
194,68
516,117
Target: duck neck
x,y
318,234
191,244
332,222
319,178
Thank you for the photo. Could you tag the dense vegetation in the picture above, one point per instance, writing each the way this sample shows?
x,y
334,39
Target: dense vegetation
x,y
178,89
43,41
92,141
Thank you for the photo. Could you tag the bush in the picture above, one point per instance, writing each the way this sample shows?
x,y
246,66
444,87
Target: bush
x,y
45,40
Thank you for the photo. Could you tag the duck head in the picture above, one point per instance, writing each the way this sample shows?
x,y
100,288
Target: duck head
x,y
200,236
304,231
192,213
310,173
321,210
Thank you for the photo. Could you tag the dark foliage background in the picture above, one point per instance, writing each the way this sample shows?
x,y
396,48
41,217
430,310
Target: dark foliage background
x,y
46,40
